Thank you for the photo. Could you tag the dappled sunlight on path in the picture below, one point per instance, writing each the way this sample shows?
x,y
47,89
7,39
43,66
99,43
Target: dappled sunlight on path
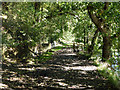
x,y
85,68
65,71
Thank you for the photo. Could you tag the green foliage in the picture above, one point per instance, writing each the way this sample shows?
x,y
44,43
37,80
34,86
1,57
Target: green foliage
x,y
30,24
23,31
57,48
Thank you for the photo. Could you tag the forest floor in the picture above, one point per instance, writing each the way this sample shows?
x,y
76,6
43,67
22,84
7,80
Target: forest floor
x,y
64,71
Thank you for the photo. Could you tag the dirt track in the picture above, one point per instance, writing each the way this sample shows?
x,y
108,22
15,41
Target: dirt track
x,y
64,71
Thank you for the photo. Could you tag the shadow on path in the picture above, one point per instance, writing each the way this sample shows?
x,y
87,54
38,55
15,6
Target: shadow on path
x,y
64,71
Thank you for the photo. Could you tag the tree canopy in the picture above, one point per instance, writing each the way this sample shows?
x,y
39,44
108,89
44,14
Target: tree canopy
x,y
94,26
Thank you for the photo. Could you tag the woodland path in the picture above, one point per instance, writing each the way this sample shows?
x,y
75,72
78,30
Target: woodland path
x,y
65,71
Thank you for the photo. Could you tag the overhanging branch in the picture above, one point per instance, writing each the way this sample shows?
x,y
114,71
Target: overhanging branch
x,y
61,13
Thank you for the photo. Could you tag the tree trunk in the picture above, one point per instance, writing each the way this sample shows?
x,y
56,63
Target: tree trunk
x,y
106,52
87,38
100,24
118,46
37,9
84,40
91,47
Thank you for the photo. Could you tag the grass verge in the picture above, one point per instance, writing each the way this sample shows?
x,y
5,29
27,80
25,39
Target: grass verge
x,y
105,70
48,55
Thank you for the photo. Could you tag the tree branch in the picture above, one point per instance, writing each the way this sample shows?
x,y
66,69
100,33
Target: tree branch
x,y
93,17
96,20
61,13
106,5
